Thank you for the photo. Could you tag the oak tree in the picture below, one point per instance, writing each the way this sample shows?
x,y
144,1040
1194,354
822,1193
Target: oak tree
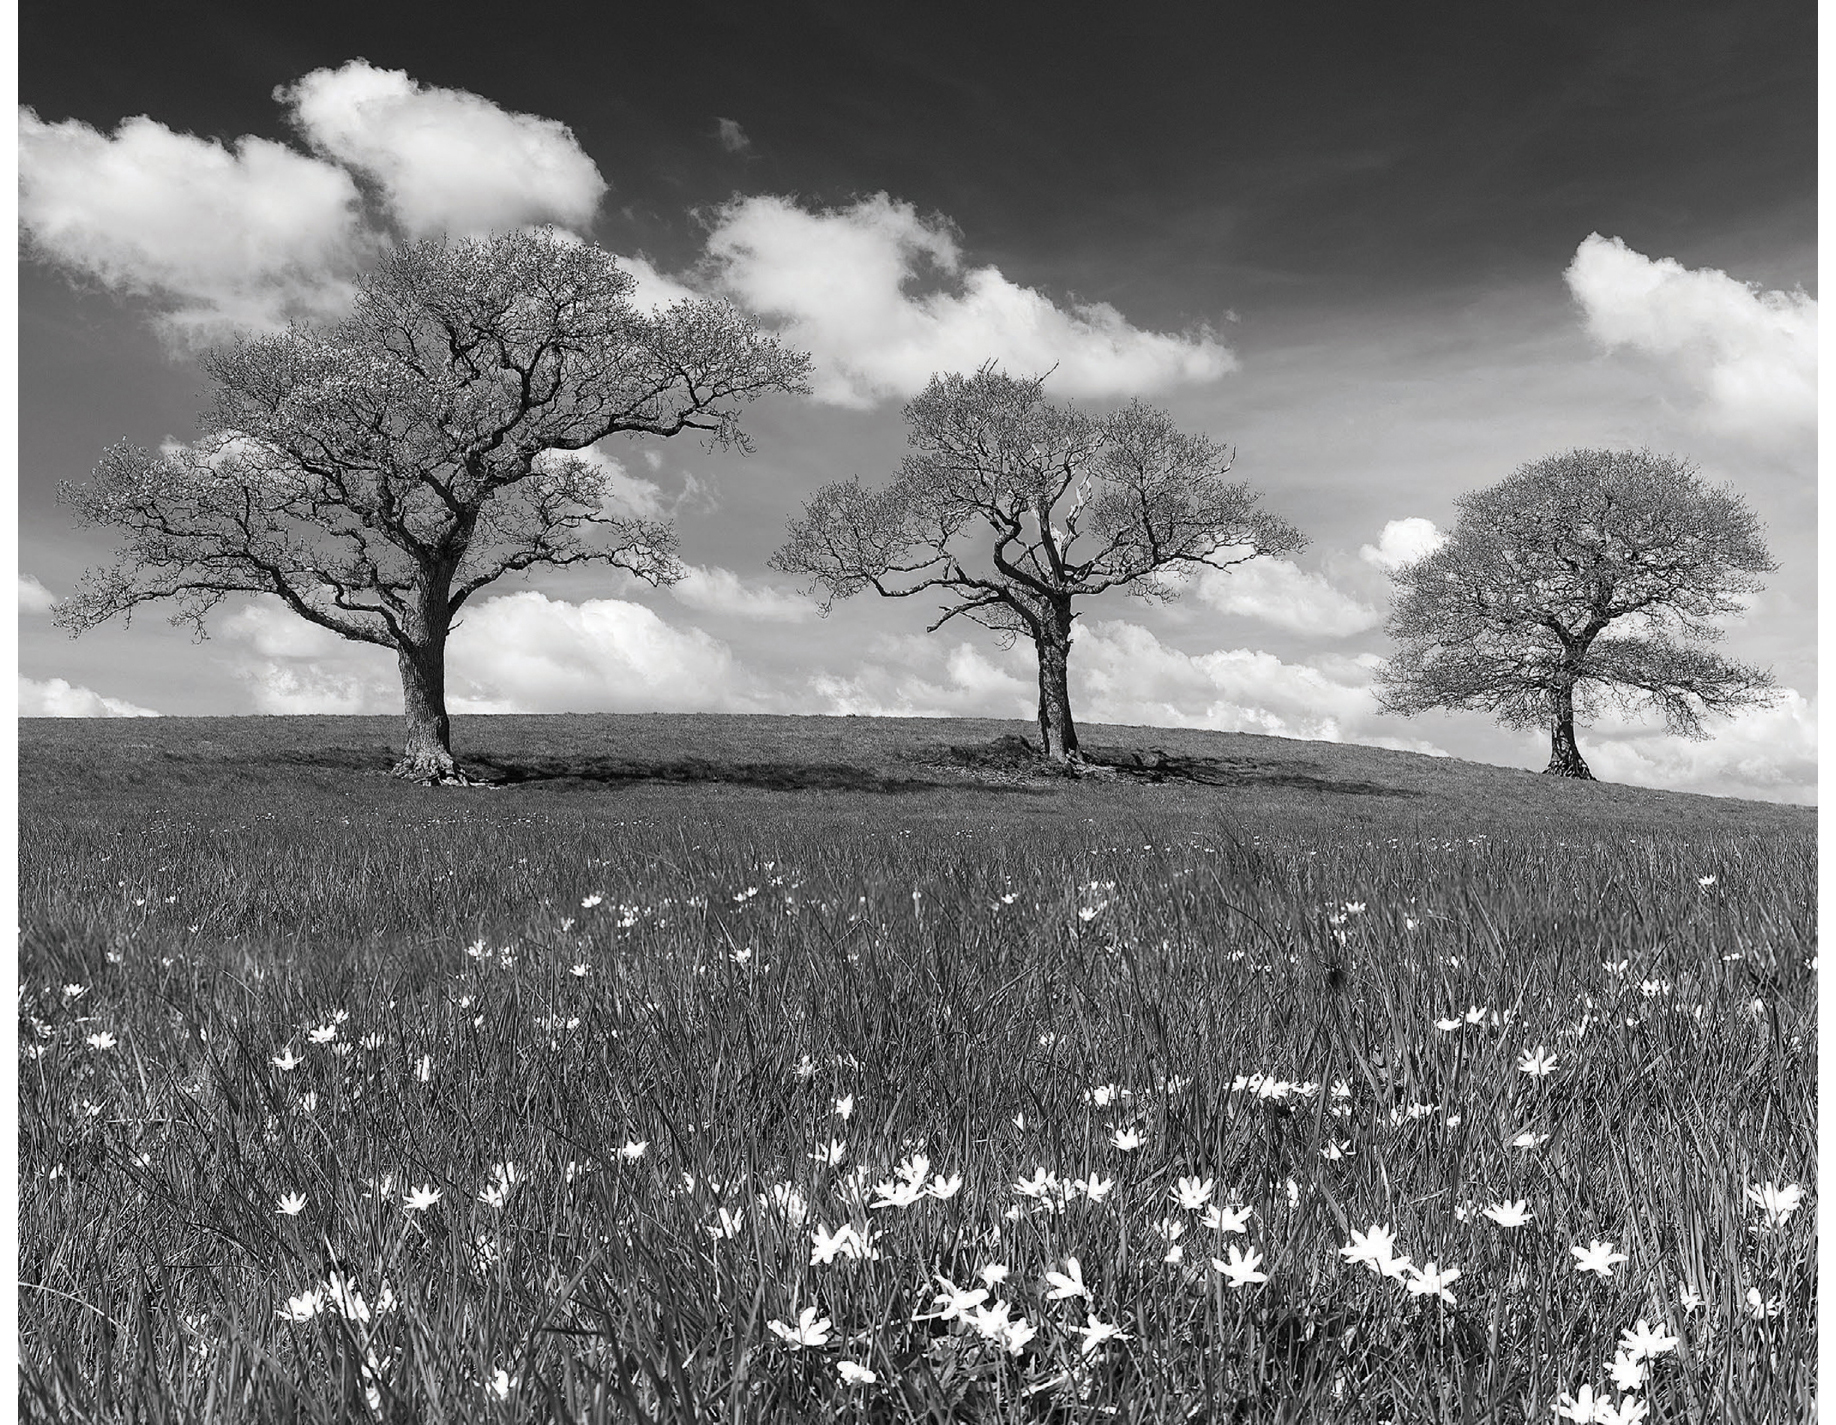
x,y
1583,578
375,473
1011,508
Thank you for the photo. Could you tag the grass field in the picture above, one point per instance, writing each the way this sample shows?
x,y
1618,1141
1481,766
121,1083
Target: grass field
x,y
810,1069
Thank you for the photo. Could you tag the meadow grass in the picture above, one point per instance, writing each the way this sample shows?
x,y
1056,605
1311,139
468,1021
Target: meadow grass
x,y
577,1077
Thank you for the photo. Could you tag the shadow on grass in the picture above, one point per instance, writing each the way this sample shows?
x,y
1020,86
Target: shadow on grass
x,y
1007,766
1158,766
1013,759
770,776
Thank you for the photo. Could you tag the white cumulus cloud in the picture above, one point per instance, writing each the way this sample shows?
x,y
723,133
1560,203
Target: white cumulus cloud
x,y
654,290
626,495
520,652
711,589
1120,673
54,697
34,597
292,667
1403,542
219,238
1767,754
1279,592
843,281
1124,674
1750,354
535,654
446,160
916,675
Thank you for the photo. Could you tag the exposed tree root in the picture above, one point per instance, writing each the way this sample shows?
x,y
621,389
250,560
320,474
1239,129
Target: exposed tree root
x,y
436,770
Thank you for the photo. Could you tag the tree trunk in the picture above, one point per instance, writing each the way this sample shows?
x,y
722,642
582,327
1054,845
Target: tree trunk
x,y
428,757
1057,733
1564,757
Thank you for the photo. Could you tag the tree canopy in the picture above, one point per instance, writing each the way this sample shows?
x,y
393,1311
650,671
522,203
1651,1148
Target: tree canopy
x,y
1584,578
1009,507
375,473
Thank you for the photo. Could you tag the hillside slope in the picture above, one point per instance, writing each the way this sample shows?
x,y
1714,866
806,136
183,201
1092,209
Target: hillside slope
x,y
606,765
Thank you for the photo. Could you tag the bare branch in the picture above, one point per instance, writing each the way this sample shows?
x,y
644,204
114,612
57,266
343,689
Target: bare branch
x,y
375,473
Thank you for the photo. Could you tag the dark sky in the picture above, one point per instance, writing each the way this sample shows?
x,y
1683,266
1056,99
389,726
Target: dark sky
x,y
1374,205
1335,148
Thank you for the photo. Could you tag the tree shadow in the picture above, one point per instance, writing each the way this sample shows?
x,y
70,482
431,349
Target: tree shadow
x,y
1157,766
768,776
1014,760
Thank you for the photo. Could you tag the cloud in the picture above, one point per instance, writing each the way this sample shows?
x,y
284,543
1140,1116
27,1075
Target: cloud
x,y
56,698
1765,753
1750,355
915,675
294,667
1120,673
220,238
627,496
1278,592
446,160
1403,542
732,137
653,289
1129,676
843,280
34,597
604,655
520,652
711,589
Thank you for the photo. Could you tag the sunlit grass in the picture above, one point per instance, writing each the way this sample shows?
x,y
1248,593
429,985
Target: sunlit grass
x,y
519,1116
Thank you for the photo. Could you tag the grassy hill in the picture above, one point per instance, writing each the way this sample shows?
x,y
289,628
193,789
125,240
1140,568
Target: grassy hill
x,y
703,1057
853,770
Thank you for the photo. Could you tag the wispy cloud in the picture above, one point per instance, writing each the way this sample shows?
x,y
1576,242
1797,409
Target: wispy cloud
x,y
1279,592
732,137
713,590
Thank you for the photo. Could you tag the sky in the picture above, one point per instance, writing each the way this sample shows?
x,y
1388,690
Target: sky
x,y
1390,254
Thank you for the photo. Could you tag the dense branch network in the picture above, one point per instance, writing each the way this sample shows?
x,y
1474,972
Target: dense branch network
x,y
1511,615
376,473
1009,507
340,467
1008,504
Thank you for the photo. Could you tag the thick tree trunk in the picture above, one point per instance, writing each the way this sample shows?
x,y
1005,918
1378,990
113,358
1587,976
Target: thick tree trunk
x,y
428,757
1564,757
1057,732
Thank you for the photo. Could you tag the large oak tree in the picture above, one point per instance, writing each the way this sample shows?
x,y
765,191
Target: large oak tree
x,y
375,473
1011,508
1585,577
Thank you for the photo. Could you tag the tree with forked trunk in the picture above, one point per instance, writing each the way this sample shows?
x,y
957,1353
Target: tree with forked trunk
x,y
1511,615
376,473
1012,508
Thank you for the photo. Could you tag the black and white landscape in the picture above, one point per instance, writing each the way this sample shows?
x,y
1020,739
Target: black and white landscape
x,y
789,713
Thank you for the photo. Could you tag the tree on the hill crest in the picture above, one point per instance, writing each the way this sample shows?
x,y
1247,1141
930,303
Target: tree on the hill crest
x,y
376,473
1512,614
1011,508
